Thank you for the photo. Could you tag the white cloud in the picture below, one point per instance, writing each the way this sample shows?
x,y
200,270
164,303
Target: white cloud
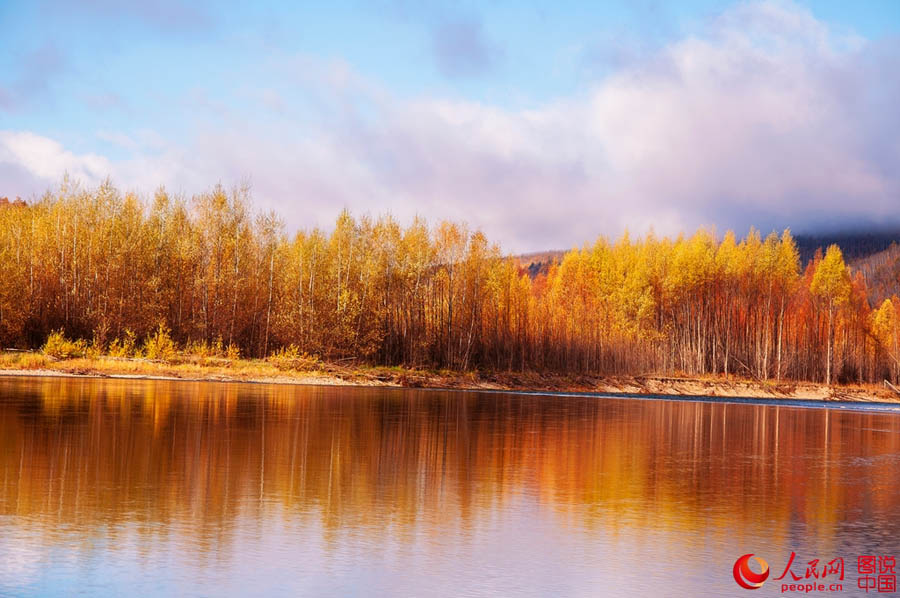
x,y
765,117
47,160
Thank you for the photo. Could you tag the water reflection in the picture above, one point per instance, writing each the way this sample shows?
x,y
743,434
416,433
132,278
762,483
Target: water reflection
x,y
177,487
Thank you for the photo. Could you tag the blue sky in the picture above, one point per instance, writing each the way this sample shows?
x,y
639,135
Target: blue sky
x,y
542,123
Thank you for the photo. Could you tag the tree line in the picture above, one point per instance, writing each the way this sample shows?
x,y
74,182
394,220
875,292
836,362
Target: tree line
x,y
104,266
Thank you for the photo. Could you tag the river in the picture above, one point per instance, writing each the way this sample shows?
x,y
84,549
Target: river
x,y
159,488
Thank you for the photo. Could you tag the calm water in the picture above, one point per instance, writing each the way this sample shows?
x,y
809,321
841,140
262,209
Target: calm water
x,y
199,489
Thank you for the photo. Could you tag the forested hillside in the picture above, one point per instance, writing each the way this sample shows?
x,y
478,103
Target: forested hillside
x,y
105,267
882,273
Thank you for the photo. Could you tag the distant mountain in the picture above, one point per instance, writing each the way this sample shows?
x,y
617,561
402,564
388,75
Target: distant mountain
x,y
856,245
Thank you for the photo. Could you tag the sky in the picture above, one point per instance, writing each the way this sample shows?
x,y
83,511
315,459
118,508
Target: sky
x,y
543,124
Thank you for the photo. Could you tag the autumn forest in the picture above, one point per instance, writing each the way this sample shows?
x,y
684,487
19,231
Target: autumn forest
x,y
103,266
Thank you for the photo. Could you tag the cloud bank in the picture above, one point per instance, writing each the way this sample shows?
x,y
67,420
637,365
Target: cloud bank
x,y
765,117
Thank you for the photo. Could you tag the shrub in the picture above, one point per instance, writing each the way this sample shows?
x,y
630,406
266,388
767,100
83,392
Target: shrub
x,y
60,347
160,345
198,349
292,358
93,351
124,347
101,335
216,349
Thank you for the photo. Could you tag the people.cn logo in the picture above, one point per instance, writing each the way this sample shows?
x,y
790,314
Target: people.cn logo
x,y
745,577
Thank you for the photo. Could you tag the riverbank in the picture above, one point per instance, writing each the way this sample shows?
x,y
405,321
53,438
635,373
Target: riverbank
x,y
322,373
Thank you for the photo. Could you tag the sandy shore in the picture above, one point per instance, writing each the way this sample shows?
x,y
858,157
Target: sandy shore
x,y
256,371
299,379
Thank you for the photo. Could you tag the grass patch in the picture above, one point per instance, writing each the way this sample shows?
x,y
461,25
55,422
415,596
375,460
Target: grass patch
x,y
23,361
